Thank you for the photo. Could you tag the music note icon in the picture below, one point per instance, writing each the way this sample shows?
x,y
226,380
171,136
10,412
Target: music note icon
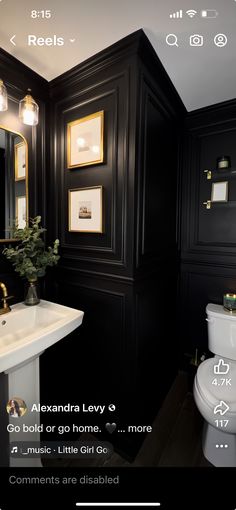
x,y
14,449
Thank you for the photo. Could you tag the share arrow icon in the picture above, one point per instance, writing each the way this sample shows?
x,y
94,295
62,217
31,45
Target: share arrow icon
x,y
222,408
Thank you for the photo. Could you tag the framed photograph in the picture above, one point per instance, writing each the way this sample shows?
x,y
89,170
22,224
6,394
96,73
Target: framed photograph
x,y
85,141
21,212
86,210
219,191
20,161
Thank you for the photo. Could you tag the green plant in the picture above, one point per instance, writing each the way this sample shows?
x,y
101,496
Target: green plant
x,y
30,257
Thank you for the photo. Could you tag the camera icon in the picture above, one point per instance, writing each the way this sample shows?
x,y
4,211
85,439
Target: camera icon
x,y
196,40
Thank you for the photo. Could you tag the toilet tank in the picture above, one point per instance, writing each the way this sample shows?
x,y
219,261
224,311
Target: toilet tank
x,y
221,331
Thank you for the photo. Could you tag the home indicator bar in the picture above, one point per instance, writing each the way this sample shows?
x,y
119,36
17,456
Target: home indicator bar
x,y
135,505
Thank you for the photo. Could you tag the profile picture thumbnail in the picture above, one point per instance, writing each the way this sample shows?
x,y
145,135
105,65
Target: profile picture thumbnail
x,y
16,407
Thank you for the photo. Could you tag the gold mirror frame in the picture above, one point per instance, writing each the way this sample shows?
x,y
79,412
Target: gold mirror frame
x,y
26,177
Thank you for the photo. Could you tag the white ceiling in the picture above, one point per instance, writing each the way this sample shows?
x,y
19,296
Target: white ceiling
x,y
202,75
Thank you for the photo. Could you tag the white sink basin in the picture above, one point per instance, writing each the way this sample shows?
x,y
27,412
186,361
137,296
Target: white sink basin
x,y
28,330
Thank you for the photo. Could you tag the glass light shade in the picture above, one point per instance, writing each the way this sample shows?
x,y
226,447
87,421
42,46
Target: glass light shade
x,y
3,97
29,111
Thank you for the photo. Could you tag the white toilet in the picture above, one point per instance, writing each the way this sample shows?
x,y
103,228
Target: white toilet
x,y
215,388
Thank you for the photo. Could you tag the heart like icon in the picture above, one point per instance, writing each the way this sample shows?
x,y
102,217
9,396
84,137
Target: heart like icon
x,y
110,427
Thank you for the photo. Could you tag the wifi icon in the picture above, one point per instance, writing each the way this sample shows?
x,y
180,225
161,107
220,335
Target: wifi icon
x,y
191,13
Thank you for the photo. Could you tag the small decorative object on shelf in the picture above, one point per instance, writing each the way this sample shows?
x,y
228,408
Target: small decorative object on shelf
x,y
30,257
230,302
223,162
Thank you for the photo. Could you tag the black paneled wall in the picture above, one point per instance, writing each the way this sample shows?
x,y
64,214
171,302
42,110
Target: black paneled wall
x,y
208,236
125,278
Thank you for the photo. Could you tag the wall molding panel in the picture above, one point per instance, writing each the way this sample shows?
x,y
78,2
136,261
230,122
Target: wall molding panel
x,y
92,248
207,237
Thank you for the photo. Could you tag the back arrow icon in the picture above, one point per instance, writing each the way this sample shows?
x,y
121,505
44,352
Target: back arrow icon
x,y
12,41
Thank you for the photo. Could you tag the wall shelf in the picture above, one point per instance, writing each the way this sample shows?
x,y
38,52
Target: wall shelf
x,y
218,174
209,204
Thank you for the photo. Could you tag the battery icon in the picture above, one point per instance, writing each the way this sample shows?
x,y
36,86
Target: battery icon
x,y
209,13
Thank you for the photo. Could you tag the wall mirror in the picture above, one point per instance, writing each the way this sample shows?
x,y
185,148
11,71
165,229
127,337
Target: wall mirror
x,y
13,182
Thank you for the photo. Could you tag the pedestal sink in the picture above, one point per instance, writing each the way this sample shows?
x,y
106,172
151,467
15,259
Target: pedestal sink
x,y
25,333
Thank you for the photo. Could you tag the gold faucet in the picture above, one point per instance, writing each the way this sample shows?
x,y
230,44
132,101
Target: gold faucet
x,y
5,308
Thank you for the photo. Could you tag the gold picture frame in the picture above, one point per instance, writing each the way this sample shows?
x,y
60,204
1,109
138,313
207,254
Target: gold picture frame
x,y
85,210
20,161
85,139
21,212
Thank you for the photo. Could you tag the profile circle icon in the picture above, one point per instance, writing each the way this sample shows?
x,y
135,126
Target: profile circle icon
x,y
16,407
220,40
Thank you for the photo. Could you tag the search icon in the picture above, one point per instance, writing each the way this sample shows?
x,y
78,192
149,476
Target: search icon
x,y
172,40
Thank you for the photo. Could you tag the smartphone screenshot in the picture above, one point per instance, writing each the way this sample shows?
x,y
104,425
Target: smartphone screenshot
x,y
118,254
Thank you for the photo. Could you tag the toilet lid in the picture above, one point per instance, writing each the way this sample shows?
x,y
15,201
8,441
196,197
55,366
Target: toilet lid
x,y
214,393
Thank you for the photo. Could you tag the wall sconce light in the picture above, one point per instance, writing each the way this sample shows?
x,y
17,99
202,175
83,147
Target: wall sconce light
x,y
3,97
29,110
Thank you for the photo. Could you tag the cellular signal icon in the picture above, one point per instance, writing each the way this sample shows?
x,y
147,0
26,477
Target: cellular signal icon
x,y
178,14
191,13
